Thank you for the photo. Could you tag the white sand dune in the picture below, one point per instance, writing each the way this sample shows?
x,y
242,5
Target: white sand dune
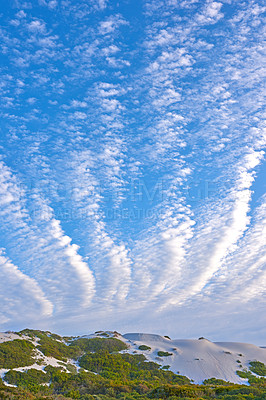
x,y
7,336
198,359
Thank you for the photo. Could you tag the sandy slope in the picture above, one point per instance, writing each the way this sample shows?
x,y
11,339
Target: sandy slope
x,y
198,359
7,336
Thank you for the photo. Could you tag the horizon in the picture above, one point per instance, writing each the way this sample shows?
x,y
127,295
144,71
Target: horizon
x,y
132,167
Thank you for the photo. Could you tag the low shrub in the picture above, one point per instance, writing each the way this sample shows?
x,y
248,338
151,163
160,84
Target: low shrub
x,y
164,354
144,347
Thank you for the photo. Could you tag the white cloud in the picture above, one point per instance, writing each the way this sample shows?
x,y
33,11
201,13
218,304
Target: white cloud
x,y
111,105
213,9
21,14
105,89
112,49
79,115
117,62
45,252
169,97
52,4
14,286
103,250
221,234
31,100
111,24
15,22
102,4
37,26
211,14
78,104
246,266
82,269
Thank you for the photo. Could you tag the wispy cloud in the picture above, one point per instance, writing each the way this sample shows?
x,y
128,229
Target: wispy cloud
x,y
16,286
111,24
42,246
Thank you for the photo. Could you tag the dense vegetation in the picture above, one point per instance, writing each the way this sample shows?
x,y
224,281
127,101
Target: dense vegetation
x,y
124,367
30,379
106,374
16,353
97,344
88,386
258,368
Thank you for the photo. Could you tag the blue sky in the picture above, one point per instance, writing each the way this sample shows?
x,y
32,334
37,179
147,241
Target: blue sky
x,y
132,167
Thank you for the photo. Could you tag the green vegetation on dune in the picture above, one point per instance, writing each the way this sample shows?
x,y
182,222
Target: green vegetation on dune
x,y
216,382
144,347
85,385
16,353
32,333
168,391
52,345
258,368
98,344
53,348
164,354
128,367
88,386
32,379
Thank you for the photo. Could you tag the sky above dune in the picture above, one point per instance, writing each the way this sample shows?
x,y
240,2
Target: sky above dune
x,y
132,167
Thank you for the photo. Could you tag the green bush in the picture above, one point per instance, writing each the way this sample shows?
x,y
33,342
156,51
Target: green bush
x,y
71,368
216,382
98,344
164,354
105,363
32,332
244,374
177,391
249,390
55,336
144,347
51,347
26,379
258,368
16,353
252,379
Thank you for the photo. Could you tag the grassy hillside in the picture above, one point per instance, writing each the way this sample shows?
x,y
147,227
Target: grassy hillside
x,y
100,369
